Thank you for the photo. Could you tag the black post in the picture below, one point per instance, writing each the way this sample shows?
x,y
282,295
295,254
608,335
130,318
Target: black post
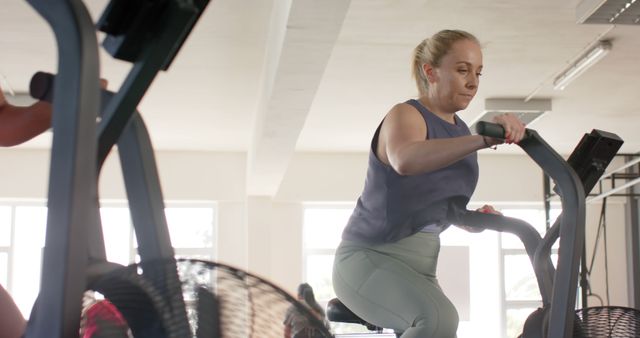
x,y
584,281
633,240
546,185
72,175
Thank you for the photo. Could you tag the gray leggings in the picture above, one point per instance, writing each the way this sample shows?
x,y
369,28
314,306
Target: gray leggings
x,y
394,286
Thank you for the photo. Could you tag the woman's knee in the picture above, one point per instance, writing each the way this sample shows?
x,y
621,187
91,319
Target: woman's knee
x,y
449,319
437,322
448,323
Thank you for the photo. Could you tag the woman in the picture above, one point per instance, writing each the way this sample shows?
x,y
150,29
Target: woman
x,y
422,165
296,324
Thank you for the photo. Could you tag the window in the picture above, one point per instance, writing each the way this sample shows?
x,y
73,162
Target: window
x,y
521,295
322,233
192,230
28,242
192,227
5,244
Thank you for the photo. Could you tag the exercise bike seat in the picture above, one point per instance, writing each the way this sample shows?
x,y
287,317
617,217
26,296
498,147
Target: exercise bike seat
x,y
338,312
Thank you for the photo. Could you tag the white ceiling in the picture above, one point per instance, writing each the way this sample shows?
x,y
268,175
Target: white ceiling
x,y
235,85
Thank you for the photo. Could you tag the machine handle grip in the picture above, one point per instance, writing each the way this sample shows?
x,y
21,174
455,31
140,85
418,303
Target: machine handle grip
x,y
41,86
490,129
496,131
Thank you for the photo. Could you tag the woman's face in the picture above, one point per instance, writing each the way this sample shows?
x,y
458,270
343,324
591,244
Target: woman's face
x,y
456,79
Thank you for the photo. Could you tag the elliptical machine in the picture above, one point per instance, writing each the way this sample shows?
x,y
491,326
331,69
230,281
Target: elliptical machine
x,y
148,34
159,297
574,178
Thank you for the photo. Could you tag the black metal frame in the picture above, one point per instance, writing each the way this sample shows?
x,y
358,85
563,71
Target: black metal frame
x,y
72,178
633,238
549,195
632,223
557,287
582,171
74,253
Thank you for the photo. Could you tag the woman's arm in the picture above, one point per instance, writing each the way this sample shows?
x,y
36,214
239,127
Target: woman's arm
x,y
12,324
20,124
402,143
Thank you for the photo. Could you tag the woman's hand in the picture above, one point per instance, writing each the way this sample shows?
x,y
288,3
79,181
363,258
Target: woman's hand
x,y
485,209
488,209
514,129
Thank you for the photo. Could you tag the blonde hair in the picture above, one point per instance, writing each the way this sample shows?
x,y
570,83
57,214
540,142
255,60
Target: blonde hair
x,y
432,50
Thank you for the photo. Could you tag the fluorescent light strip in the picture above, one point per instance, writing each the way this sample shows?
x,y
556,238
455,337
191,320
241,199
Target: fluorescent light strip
x,y
580,66
622,9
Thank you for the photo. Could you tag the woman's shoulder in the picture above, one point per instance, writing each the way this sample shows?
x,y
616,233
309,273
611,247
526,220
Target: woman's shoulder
x,y
404,111
406,105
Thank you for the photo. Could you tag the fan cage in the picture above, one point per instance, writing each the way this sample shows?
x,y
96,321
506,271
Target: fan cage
x,y
607,321
203,299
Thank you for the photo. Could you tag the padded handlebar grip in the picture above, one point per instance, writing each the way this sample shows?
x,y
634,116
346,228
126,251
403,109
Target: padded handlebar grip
x,y
496,131
490,129
41,86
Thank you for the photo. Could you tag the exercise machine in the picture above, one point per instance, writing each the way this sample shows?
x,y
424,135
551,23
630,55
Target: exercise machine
x,y
147,33
558,317
159,296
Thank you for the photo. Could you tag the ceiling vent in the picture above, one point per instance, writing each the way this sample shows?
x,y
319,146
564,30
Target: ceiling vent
x,y
619,12
527,111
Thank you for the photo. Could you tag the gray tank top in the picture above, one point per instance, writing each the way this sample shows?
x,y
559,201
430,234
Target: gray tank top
x,y
392,206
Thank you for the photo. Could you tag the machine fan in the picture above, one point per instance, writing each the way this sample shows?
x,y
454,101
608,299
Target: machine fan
x,y
216,299
606,321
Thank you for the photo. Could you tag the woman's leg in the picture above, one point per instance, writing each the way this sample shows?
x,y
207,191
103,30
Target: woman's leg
x,y
383,289
11,320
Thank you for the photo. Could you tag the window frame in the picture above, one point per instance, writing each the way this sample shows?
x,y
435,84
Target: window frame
x,y
209,252
506,304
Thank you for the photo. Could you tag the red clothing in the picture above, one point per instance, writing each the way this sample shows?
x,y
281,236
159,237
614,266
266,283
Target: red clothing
x,y
104,315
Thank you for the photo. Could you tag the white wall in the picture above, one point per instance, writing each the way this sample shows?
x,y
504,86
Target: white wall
x,y
24,173
616,256
263,234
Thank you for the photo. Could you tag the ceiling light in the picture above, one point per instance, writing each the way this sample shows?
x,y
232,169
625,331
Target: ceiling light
x,y
526,111
619,12
581,65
